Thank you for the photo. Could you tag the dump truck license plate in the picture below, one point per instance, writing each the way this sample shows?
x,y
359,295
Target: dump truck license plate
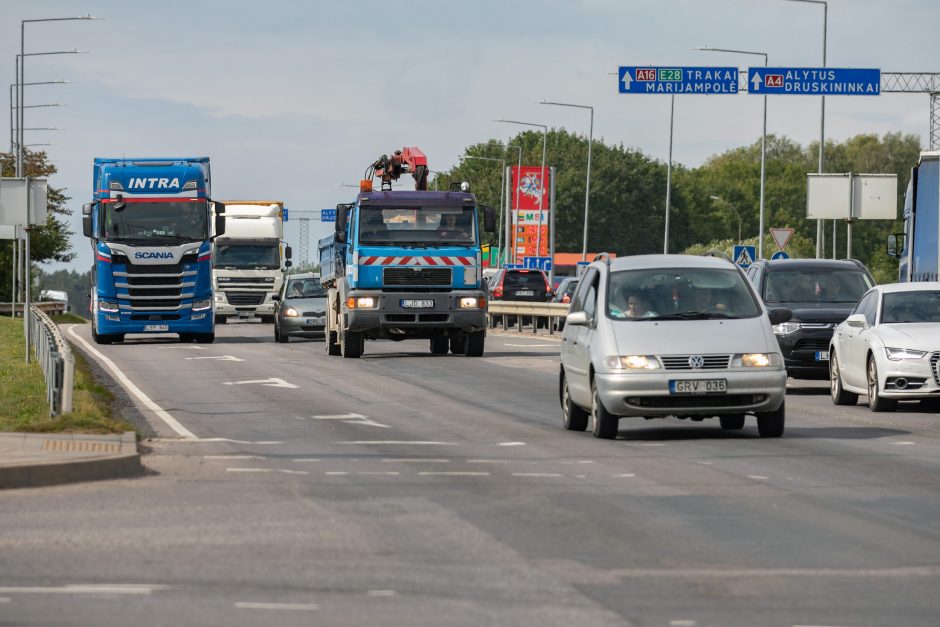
x,y
417,304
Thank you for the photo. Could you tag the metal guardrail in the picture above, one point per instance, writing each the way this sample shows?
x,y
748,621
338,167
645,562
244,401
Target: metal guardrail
x,y
56,358
53,306
551,313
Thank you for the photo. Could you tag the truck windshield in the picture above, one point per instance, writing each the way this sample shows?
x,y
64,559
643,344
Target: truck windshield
x,y
246,256
417,225
154,222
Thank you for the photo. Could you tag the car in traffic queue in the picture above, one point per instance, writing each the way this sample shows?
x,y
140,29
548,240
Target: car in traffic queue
x,y
820,293
889,348
300,308
520,284
653,336
565,290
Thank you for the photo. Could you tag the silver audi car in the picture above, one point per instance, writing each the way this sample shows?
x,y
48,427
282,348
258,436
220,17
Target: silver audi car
x,y
300,308
670,335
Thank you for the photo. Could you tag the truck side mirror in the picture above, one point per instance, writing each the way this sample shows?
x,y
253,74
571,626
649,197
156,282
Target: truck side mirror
x,y
288,253
489,219
895,245
342,212
86,219
219,210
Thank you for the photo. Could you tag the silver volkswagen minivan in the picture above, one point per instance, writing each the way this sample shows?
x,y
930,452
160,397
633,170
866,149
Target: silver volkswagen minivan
x,y
670,335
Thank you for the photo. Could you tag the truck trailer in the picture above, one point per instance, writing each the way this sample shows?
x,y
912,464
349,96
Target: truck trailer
x,y
918,247
150,233
246,268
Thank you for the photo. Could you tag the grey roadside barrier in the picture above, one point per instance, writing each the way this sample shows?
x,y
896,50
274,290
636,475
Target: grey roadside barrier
x,y
56,359
549,313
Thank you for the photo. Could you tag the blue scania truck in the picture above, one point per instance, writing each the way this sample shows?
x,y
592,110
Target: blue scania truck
x,y
150,233
406,265
918,248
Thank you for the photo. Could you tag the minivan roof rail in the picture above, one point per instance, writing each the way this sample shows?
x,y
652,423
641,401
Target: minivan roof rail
x,y
602,257
718,253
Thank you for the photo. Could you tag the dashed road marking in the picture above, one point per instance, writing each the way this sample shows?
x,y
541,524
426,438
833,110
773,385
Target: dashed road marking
x,y
397,442
415,460
489,461
304,460
454,474
106,588
382,593
682,622
905,443
530,345
624,475
512,443
352,419
217,358
273,382
254,605
230,440
757,477
536,474
282,471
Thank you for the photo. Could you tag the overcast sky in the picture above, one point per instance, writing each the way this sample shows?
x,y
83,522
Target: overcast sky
x,y
290,99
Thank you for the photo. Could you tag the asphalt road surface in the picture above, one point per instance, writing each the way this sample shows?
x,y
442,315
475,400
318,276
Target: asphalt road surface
x,y
289,487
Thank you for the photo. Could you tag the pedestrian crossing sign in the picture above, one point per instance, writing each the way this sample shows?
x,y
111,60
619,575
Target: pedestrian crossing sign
x,y
744,255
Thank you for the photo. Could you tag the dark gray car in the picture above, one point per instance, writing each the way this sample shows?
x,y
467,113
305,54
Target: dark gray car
x,y
300,308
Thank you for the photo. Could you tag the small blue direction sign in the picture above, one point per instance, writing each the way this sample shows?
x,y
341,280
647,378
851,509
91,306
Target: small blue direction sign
x,y
813,81
780,255
537,263
677,80
744,255
327,215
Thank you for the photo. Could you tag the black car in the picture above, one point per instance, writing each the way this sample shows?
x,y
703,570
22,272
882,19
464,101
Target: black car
x,y
821,293
518,284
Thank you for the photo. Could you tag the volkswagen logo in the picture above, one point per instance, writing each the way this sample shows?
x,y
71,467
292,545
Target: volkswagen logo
x,y
696,361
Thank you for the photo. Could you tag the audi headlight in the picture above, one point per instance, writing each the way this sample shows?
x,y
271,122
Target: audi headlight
x,y
107,305
786,328
756,360
632,362
199,305
897,354
290,312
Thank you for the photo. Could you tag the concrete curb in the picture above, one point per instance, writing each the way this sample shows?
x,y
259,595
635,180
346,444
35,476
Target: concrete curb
x,y
41,459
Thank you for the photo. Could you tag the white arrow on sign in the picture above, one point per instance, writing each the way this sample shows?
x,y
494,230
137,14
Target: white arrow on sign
x,y
781,237
353,419
219,357
272,382
626,80
756,80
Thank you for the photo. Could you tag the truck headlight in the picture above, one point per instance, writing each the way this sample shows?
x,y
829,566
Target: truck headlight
x,y
472,302
787,328
755,360
220,297
897,354
107,305
290,312
199,305
361,302
632,362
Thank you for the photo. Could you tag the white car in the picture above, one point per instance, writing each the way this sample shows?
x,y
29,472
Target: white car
x,y
889,347
670,335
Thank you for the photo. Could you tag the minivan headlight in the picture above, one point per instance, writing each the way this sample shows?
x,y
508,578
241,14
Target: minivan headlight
x,y
290,312
786,328
632,362
897,354
756,360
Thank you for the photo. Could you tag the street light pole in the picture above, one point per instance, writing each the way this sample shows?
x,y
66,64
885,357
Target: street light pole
x,y
820,243
544,127
510,227
587,184
15,107
672,110
737,214
763,150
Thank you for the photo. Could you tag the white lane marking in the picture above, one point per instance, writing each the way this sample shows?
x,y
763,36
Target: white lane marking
x,y
105,588
233,457
286,472
578,461
626,474
683,623
253,605
191,348
902,443
4,599
336,473
443,473
383,442
382,593
528,345
652,443
219,358
757,477
271,383
580,476
416,460
387,473
512,443
303,460
899,572
170,421
490,461
352,419
536,474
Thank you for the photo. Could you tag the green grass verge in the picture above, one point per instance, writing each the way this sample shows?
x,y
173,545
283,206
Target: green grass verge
x,y
23,404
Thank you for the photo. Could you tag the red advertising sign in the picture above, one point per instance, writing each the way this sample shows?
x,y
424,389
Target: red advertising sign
x,y
530,191
529,187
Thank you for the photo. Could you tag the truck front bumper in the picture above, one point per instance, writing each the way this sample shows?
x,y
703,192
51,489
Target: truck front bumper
x,y
155,322
227,309
416,314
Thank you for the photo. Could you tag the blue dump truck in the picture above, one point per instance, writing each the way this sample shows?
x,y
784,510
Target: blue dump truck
x,y
406,265
919,244
150,232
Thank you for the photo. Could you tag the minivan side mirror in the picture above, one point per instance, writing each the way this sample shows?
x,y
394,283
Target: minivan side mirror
x,y
857,321
577,318
779,315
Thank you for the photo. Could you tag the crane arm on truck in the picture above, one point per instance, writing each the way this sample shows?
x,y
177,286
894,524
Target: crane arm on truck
x,y
409,160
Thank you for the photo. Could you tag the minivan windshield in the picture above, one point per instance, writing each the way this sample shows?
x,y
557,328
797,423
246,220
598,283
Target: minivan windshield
x,y
679,294
815,285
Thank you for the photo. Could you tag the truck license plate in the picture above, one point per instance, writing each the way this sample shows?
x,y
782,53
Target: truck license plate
x,y
822,355
416,304
698,386
156,327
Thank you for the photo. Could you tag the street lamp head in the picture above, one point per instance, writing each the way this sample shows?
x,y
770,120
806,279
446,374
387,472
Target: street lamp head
x,y
715,197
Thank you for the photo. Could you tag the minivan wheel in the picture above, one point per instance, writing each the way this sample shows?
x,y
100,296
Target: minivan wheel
x,y
839,395
875,401
576,418
603,423
771,424
732,422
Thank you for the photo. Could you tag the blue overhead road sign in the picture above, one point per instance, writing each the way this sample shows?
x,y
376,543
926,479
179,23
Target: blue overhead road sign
x,y
677,80
813,81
